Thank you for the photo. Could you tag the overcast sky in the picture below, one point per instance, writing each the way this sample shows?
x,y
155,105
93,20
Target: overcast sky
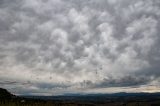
x,y
52,47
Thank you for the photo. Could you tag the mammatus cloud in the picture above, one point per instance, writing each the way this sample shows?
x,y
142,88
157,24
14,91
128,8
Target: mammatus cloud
x,y
59,46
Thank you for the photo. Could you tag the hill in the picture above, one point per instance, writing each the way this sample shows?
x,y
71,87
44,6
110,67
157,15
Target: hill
x,y
4,94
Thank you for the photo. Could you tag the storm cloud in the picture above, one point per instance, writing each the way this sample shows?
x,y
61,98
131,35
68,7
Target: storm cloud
x,y
58,46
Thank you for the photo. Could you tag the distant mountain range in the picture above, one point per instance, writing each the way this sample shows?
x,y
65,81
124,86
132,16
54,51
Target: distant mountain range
x,y
116,97
122,96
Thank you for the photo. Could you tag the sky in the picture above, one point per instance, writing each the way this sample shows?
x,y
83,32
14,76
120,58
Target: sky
x,y
55,47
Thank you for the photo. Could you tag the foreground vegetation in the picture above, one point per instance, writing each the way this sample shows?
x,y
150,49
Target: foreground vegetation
x,y
62,103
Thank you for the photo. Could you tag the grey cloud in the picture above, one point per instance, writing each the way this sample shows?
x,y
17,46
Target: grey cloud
x,y
14,83
80,40
7,82
149,72
51,86
125,81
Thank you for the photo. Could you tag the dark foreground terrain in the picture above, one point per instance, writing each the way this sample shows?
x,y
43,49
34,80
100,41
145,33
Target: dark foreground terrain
x,y
118,99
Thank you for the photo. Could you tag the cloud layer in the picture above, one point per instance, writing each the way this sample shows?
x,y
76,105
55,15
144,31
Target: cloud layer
x,y
59,46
